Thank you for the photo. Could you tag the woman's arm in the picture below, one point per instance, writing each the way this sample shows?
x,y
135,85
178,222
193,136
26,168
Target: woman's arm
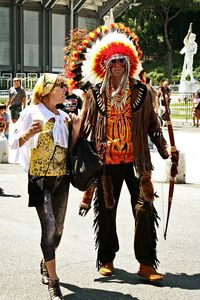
x,y
33,129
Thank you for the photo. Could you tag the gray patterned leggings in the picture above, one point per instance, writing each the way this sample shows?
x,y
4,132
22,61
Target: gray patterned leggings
x,y
52,214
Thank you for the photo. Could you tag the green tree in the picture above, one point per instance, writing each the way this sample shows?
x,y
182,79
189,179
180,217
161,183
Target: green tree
x,y
153,21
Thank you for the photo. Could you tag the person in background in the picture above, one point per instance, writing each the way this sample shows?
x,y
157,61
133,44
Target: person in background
x,y
17,99
72,104
197,113
154,94
40,142
6,117
195,107
167,92
164,88
118,115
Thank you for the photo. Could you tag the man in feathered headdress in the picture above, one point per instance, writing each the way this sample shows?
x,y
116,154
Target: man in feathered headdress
x,y
118,115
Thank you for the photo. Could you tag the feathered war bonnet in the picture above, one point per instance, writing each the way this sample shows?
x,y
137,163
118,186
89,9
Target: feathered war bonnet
x,y
90,60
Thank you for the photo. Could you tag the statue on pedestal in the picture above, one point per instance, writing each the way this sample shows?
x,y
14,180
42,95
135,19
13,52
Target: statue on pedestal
x,y
189,49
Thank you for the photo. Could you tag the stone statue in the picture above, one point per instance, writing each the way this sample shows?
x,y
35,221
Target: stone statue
x,y
108,19
189,49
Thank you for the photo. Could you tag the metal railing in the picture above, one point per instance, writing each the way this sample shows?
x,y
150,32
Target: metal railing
x,y
180,106
27,80
181,110
4,96
5,93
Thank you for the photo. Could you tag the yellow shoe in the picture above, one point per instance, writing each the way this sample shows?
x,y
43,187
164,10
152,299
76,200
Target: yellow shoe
x,y
149,273
106,269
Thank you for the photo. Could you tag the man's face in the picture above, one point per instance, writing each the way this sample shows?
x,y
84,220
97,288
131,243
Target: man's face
x,y
118,67
16,83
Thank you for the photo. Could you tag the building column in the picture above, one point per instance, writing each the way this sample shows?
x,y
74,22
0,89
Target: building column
x,y
18,39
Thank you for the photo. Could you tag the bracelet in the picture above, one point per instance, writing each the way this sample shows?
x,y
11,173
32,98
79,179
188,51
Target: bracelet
x,y
23,138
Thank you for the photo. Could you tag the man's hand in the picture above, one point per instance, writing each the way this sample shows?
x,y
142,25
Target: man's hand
x,y
83,209
76,124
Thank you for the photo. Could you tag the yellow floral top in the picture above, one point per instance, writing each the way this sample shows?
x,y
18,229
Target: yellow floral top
x,y
41,161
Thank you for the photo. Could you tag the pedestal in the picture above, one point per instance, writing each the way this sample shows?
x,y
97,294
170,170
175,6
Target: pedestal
x,y
3,149
188,87
180,178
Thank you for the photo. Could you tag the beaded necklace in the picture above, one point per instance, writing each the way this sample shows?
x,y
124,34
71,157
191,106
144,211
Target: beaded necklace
x,y
118,100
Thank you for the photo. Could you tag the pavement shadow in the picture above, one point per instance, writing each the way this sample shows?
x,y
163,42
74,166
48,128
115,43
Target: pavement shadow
x,y
124,277
182,280
10,195
93,294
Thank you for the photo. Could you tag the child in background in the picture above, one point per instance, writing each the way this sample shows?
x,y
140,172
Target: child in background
x,y
4,116
196,105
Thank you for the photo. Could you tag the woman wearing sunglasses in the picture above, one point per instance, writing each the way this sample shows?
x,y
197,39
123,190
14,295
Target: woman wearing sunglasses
x,y
41,145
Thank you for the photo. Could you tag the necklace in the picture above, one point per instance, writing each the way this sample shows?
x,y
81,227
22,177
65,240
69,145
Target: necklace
x,y
118,100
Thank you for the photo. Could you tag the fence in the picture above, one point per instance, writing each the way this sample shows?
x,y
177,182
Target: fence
x,y
181,107
5,93
27,80
4,96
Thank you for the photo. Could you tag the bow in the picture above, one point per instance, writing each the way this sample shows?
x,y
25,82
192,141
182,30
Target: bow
x,y
174,159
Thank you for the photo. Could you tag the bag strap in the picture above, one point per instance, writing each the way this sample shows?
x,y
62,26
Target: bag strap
x,y
13,97
50,160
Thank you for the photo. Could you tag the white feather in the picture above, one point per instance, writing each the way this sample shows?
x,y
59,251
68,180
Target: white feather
x,y
88,73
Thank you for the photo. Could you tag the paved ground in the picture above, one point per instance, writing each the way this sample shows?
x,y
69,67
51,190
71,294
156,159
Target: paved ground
x,y
179,254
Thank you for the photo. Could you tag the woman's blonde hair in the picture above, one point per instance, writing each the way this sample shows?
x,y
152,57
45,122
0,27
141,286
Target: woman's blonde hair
x,y
45,85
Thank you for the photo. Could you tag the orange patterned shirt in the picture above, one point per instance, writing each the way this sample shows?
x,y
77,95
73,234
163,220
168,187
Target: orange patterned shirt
x,y
119,147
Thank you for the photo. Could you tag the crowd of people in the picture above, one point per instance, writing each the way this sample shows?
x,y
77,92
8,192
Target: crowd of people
x,y
119,113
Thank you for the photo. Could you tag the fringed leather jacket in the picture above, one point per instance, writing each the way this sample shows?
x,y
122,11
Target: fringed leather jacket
x,y
145,122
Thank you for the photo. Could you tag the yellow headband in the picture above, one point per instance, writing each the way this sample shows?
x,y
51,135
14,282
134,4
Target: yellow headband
x,y
43,86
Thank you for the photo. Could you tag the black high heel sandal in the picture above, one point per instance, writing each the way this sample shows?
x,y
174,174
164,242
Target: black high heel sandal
x,y
44,273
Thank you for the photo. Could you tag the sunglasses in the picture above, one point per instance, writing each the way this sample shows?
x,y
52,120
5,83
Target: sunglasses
x,y
63,85
114,61
15,80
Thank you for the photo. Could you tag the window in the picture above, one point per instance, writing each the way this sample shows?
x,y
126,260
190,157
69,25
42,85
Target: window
x,y
31,38
88,23
4,36
58,42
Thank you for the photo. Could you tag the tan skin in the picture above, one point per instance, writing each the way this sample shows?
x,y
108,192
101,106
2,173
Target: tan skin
x,y
117,71
57,95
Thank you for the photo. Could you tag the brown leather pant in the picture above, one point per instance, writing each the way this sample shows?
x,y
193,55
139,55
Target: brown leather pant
x,y
105,218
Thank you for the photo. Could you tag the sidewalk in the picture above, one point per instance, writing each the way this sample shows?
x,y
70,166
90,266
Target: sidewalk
x,y
179,255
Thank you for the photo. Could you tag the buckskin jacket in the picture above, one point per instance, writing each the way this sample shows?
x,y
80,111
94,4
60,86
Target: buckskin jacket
x,y
145,122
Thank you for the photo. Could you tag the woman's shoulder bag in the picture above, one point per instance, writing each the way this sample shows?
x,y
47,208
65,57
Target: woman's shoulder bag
x,y
83,163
